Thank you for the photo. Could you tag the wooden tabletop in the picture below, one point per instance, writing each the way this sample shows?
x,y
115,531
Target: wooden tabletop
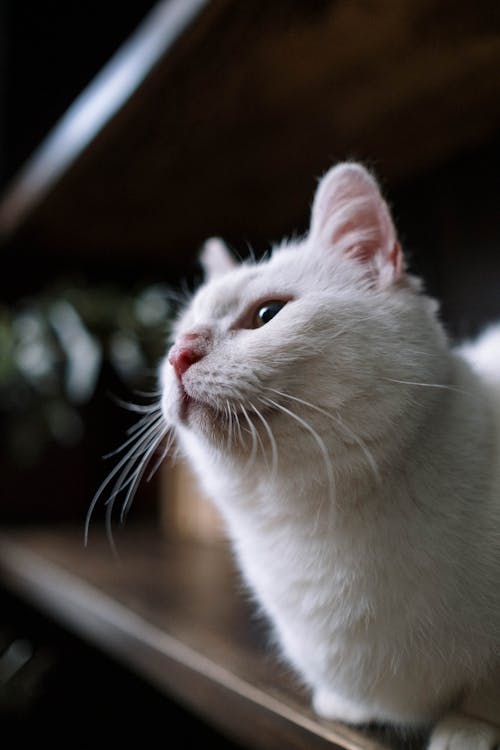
x,y
177,615
218,118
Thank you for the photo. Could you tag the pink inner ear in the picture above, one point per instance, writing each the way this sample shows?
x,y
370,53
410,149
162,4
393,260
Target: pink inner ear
x,y
396,258
349,215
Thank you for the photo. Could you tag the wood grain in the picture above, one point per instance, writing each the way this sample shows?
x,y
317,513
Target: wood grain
x,y
175,613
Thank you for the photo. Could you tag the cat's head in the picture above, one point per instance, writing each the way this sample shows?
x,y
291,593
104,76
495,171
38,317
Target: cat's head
x,y
314,338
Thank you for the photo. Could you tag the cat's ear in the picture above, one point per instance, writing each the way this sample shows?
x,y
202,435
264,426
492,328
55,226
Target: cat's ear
x,y
216,258
349,215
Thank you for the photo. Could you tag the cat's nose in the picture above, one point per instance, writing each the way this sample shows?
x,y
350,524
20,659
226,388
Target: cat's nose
x,y
188,349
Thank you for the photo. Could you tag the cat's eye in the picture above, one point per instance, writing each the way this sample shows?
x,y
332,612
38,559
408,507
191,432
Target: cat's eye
x,y
267,311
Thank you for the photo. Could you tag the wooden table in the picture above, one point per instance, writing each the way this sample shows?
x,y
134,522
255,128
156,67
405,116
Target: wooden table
x,y
176,614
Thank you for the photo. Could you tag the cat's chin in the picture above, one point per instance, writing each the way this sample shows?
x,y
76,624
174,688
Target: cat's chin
x,y
213,426
203,418
191,411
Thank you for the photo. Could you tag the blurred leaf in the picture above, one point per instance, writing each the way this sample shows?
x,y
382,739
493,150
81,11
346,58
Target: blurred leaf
x,y
53,346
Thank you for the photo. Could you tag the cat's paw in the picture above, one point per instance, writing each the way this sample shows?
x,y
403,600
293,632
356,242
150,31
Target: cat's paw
x,y
460,732
331,706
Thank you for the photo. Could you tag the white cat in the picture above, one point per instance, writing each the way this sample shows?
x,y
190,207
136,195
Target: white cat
x,y
355,458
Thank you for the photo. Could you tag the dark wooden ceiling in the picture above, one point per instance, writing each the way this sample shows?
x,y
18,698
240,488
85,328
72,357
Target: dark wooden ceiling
x,y
242,110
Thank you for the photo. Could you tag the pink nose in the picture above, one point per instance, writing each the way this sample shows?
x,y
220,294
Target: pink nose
x,y
188,349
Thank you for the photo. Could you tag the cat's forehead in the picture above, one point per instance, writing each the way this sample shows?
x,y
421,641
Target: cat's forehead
x,y
221,294
228,295
224,296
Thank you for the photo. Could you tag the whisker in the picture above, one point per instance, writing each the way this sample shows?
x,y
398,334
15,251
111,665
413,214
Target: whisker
x,y
261,444
238,425
119,466
229,426
133,480
444,386
149,394
109,531
139,408
143,420
272,440
319,442
146,425
367,453
251,254
338,420
163,455
253,434
178,297
139,471
128,473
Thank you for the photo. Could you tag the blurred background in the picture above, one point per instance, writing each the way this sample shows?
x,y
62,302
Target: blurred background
x,y
76,332
130,131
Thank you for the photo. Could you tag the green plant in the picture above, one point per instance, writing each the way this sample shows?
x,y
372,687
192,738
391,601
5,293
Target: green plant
x,y
52,350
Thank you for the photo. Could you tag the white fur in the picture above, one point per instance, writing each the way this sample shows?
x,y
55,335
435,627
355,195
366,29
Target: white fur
x,y
368,524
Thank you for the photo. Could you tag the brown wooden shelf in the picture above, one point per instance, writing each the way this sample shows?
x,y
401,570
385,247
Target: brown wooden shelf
x,y
218,117
176,615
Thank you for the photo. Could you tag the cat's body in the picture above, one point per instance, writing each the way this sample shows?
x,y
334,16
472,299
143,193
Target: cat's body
x,y
356,460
